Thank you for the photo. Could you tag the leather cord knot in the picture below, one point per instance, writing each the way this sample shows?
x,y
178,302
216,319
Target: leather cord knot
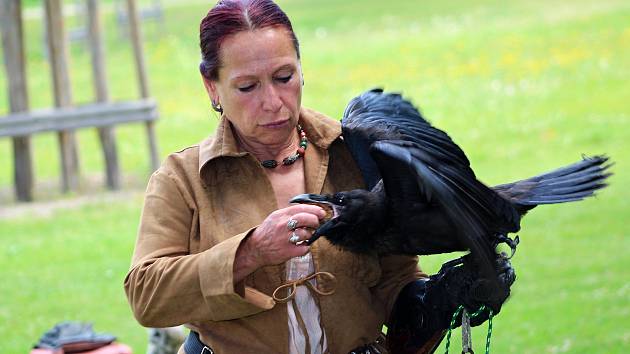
x,y
292,287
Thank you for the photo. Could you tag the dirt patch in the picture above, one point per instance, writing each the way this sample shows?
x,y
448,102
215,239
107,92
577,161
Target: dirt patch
x,y
42,209
48,198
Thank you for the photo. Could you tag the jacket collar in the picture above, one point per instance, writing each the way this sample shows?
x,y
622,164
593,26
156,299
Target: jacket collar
x,y
320,131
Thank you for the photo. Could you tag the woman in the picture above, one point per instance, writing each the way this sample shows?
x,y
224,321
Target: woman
x,y
218,242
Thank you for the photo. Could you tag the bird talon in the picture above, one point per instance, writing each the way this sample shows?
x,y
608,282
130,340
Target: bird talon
x,y
512,243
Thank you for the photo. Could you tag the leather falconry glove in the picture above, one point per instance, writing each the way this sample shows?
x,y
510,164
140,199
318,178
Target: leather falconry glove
x,y
424,308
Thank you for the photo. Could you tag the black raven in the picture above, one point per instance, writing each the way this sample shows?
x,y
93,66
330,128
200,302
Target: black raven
x,y
422,196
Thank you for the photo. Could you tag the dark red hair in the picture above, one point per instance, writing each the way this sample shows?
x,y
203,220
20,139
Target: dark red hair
x,y
229,17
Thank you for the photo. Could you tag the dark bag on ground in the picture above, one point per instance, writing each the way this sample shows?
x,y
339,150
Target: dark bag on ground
x,y
73,337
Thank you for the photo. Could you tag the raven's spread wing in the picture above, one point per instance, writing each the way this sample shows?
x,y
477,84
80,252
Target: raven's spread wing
x,y
389,139
566,184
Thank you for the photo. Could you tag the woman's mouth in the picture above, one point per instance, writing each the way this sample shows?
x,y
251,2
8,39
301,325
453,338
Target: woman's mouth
x,y
277,124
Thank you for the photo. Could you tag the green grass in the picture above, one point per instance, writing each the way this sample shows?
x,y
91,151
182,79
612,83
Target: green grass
x,y
522,86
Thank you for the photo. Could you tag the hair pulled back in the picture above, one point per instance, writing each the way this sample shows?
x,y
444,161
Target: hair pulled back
x,y
229,17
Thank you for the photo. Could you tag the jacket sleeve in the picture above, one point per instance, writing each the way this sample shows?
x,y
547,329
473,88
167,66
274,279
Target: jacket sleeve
x,y
168,286
396,272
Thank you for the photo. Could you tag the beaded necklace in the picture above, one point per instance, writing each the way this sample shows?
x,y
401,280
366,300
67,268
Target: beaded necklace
x,y
290,159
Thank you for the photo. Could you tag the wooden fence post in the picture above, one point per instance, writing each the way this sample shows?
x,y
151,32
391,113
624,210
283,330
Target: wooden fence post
x,y
106,135
12,38
58,56
136,40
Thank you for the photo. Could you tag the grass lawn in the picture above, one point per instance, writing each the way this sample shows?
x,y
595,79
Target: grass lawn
x,y
522,86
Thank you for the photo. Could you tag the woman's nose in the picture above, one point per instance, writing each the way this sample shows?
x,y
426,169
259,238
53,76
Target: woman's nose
x,y
271,99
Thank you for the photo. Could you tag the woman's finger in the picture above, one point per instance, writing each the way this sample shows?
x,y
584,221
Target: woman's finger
x,y
302,220
306,208
299,235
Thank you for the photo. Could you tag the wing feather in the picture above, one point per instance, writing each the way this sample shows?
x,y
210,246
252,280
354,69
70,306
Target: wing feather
x,y
419,162
566,184
440,186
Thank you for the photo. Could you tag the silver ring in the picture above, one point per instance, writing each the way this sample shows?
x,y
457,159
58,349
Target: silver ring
x,y
292,224
294,239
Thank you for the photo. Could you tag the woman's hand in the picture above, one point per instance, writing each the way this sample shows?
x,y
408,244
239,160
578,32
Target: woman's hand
x,y
269,243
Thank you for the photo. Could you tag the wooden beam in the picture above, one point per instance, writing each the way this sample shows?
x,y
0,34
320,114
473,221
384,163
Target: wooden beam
x,y
138,50
107,135
136,40
72,118
97,51
12,39
58,53
58,56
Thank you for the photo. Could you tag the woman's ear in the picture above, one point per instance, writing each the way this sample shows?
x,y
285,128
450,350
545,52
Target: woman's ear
x,y
211,89
301,73
213,93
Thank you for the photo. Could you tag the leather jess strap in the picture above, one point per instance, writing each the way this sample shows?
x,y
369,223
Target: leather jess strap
x,y
292,287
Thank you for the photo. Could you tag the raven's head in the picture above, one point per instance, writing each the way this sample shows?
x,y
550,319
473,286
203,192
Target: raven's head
x,y
350,216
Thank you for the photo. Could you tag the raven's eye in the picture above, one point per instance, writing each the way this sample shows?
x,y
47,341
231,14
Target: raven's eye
x,y
339,199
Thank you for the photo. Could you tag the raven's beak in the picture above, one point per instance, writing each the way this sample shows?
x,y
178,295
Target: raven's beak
x,y
309,199
329,219
316,199
321,231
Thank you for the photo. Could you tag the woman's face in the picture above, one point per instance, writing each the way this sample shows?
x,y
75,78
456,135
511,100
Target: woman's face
x,y
259,85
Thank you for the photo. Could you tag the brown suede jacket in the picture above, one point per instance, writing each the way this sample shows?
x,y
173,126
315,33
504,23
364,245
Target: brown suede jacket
x,y
202,202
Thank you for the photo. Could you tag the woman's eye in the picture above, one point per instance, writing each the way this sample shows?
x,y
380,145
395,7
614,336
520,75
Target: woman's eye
x,y
284,79
247,88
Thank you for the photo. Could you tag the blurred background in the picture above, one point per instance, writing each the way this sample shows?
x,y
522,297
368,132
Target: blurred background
x,y
522,86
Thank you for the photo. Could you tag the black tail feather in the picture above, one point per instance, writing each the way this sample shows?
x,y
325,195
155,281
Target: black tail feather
x,y
566,184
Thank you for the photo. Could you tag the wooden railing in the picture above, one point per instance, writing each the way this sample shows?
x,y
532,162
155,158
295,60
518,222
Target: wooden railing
x,y
21,123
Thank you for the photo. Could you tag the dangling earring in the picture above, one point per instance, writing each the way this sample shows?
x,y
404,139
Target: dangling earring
x,y
217,107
